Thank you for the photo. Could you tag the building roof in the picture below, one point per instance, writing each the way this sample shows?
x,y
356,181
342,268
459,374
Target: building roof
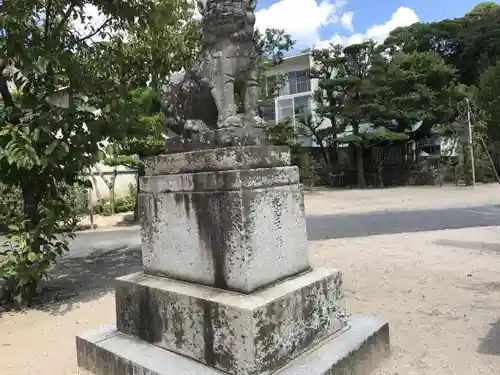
x,y
301,54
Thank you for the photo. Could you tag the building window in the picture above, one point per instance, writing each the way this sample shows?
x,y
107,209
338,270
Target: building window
x,y
268,112
285,109
271,88
299,81
302,105
291,108
296,82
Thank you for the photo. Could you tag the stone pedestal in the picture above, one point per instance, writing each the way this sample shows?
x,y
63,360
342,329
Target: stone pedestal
x,y
238,227
227,286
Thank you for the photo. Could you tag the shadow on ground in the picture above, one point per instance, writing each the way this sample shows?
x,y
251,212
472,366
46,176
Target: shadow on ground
x,y
97,258
491,343
393,222
482,247
128,221
86,278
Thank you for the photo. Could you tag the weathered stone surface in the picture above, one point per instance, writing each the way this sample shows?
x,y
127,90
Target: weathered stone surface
x,y
226,65
218,159
239,240
220,180
225,137
236,333
357,350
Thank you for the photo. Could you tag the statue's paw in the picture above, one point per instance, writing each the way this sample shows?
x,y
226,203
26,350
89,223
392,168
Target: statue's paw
x,y
255,121
259,122
232,122
196,126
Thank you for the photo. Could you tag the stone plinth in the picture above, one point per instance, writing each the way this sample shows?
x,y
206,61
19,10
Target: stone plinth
x,y
239,227
235,333
219,159
355,350
225,137
227,287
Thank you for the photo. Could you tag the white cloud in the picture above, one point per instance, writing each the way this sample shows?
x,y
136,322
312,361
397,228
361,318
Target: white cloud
x,y
302,19
402,17
346,20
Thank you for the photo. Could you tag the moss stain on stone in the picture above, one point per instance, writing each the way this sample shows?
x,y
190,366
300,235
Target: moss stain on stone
x,y
149,322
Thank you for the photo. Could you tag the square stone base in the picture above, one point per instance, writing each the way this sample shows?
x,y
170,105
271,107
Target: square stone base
x,y
236,333
357,350
243,229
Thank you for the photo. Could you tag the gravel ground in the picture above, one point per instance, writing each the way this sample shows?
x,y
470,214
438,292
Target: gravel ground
x,y
439,290
344,201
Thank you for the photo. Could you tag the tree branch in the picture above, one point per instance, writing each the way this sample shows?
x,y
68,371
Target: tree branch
x,y
96,31
47,21
4,87
4,91
108,183
64,19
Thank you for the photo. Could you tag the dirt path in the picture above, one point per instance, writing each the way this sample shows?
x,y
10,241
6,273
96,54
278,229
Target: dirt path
x,y
338,201
439,291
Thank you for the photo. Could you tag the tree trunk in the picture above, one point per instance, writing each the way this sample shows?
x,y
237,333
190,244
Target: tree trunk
x,y
381,163
110,184
31,209
94,181
359,158
359,167
31,202
90,208
324,151
380,176
112,191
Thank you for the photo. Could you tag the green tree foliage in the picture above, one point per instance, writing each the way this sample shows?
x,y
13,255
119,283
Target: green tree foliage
x,y
59,83
398,91
346,91
142,111
412,88
469,43
274,43
488,96
328,101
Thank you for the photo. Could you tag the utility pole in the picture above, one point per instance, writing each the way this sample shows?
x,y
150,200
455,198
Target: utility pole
x,y
471,147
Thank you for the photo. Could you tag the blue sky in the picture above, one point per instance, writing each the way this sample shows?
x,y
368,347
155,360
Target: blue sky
x,y
317,22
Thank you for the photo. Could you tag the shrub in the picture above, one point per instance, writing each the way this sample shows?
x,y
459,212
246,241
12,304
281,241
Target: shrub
x,y
125,204
11,206
31,251
122,204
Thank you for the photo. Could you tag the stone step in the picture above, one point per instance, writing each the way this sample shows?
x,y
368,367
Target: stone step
x,y
233,332
357,350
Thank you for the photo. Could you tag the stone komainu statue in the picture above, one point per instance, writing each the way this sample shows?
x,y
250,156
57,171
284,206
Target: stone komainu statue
x,y
204,97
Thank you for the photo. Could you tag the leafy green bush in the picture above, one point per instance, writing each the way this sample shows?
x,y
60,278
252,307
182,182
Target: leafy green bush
x,y
30,251
125,204
26,258
102,207
11,206
122,204
76,197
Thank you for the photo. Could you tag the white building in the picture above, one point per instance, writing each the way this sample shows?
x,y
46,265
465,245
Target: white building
x,y
296,94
